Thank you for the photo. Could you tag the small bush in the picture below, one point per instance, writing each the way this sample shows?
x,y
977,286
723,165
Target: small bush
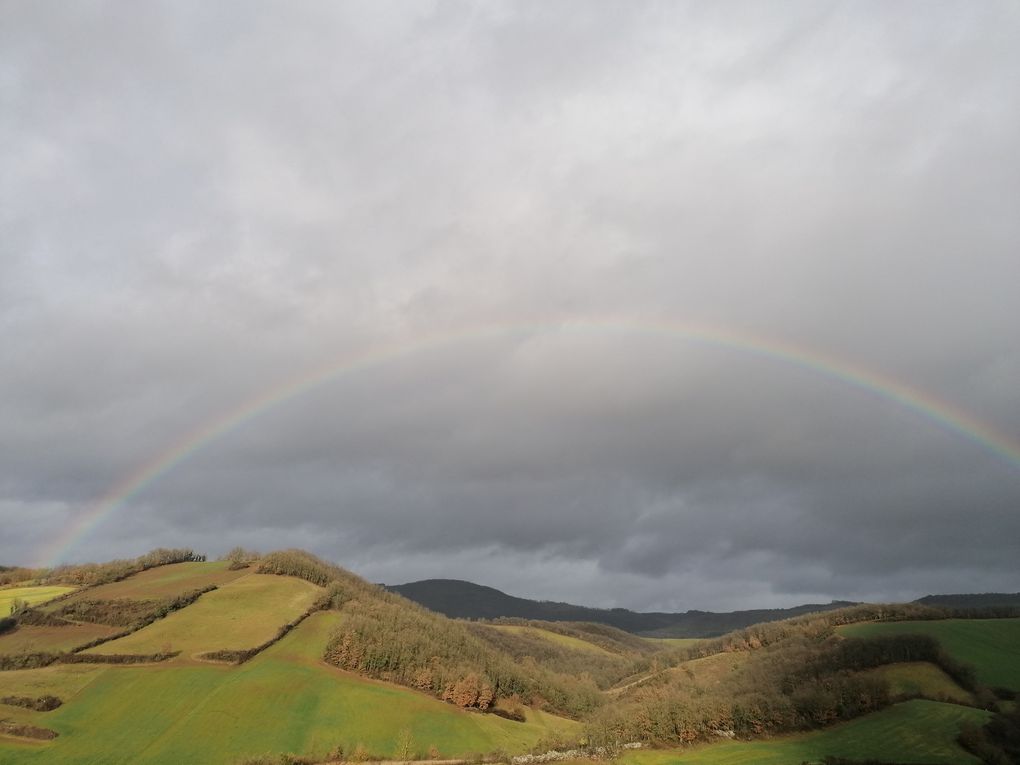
x,y
40,704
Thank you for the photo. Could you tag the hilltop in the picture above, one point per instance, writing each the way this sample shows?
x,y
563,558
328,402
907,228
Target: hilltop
x,y
465,600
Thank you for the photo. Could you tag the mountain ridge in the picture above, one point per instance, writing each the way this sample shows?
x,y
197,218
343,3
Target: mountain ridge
x,y
458,598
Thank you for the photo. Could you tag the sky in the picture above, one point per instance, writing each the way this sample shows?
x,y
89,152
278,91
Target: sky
x,y
653,305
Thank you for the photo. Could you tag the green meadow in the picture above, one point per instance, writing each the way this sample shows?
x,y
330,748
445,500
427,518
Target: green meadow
x,y
911,732
164,582
991,645
240,614
32,595
28,639
923,679
284,700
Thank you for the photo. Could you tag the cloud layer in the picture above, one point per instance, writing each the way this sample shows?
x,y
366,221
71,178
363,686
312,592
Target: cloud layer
x,y
200,205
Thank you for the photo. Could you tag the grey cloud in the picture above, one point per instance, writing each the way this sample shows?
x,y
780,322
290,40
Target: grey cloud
x,y
199,204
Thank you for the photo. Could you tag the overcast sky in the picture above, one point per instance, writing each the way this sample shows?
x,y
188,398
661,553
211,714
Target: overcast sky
x,y
202,202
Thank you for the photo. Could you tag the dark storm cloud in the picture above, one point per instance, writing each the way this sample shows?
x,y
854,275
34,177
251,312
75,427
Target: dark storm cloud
x,y
199,204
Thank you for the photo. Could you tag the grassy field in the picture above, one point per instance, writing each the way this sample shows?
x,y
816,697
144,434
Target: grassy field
x,y
991,645
61,680
285,699
921,679
567,641
241,614
28,639
911,732
33,595
674,642
163,582
705,672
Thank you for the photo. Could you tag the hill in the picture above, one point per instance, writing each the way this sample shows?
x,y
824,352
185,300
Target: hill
x,y
982,600
465,600
169,658
990,646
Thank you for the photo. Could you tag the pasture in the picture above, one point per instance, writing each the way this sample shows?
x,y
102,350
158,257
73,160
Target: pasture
x,y
31,639
32,595
566,641
164,582
240,614
911,732
921,678
991,645
284,700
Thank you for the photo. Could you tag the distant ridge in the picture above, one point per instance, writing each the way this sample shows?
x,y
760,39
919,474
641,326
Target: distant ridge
x,y
466,600
977,600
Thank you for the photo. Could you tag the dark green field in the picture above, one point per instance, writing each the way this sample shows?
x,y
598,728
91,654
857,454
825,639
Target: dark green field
x,y
991,645
911,732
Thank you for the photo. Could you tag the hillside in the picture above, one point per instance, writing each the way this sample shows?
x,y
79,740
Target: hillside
x,y
465,600
169,658
982,600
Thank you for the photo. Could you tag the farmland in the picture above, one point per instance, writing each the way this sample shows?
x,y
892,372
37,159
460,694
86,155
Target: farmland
x,y
31,595
911,732
241,614
567,641
921,679
374,673
27,639
163,582
991,645
213,714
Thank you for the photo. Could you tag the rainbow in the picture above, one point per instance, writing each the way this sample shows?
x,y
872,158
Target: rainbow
x,y
941,413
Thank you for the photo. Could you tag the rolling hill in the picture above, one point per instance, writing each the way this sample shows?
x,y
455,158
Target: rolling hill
x,y
465,600
169,658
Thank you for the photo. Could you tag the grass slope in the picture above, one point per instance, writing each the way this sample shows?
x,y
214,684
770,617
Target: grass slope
x,y
567,641
28,639
991,645
911,732
61,680
921,678
241,614
285,699
163,582
33,595
668,642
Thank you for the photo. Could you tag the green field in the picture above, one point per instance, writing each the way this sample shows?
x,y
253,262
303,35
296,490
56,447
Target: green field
x,y
29,639
991,645
60,680
33,595
163,582
285,699
911,732
567,641
921,679
240,614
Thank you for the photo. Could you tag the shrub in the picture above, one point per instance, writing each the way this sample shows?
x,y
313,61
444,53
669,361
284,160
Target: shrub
x,y
40,704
